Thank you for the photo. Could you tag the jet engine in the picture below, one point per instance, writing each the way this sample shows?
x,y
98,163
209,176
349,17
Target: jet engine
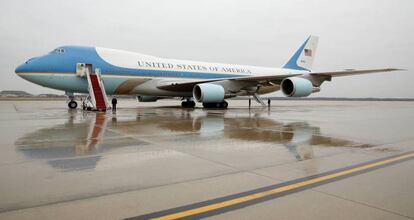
x,y
208,93
297,87
146,98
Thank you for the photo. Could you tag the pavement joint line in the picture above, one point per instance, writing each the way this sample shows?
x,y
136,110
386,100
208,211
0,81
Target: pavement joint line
x,y
252,171
244,199
302,161
364,204
100,195
15,108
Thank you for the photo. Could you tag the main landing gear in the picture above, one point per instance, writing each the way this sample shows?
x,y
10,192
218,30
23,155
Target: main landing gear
x,y
191,104
222,104
188,104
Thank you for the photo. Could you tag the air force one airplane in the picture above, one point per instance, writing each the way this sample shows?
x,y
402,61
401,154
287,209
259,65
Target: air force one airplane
x,y
152,78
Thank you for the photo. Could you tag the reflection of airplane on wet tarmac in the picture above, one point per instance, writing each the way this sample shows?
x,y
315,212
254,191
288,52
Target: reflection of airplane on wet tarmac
x,y
74,146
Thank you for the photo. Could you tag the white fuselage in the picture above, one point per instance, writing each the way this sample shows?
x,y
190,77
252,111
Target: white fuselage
x,y
126,72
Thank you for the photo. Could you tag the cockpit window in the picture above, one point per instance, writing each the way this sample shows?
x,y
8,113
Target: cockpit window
x,y
58,50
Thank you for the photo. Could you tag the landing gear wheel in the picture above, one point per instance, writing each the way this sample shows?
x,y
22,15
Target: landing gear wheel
x,y
72,104
188,104
192,104
222,104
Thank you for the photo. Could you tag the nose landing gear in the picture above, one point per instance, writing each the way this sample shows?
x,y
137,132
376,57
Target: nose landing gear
x,y
72,104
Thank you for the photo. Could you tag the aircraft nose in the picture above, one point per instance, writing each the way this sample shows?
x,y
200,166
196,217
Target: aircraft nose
x,y
27,66
20,68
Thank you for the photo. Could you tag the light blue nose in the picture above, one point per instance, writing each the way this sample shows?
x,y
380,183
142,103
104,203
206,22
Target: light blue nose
x,y
20,68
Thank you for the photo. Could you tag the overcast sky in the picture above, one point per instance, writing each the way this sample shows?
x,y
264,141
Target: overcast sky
x,y
353,34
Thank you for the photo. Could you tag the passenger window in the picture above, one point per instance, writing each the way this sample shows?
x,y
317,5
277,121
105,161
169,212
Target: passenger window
x,y
58,50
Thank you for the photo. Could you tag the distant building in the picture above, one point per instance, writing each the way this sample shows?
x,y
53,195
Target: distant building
x,y
51,95
14,93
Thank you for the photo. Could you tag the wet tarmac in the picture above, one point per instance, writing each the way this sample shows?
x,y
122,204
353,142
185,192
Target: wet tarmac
x,y
149,157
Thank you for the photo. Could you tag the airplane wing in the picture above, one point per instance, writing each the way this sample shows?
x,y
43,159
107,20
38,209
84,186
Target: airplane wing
x,y
352,72
187,85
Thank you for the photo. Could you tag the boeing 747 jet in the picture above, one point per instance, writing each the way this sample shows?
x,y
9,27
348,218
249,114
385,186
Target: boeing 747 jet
x,y
81,69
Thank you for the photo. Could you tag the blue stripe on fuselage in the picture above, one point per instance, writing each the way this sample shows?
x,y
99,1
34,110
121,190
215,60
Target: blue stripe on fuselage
x,y
66,63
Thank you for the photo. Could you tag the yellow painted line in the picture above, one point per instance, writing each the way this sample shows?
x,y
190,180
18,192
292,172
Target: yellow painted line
x,y
304,183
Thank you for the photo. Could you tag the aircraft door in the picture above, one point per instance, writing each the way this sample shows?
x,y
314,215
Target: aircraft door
x,y
82,69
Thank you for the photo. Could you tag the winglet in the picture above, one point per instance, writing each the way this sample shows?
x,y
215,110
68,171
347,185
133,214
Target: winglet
x,y
303,58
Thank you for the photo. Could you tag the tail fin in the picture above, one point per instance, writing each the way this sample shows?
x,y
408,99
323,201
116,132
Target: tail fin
x,y
303,57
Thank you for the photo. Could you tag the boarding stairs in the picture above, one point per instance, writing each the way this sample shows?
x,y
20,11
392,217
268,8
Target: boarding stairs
x,y
95,87
259,99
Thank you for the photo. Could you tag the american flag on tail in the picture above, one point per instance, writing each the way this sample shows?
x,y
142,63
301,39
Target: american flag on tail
x,y
308,52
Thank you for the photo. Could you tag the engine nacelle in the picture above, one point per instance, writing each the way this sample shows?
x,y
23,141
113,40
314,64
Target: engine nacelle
x,y
208,93
297,87
146,98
